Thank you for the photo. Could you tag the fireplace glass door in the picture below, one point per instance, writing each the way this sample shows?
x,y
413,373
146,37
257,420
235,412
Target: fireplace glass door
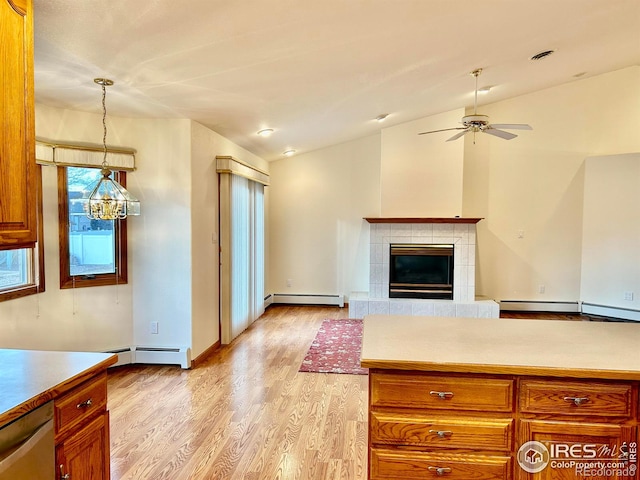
x,y
421,271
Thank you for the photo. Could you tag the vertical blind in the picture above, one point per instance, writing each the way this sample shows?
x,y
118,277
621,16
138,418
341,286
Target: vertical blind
x,y
241,246
247,253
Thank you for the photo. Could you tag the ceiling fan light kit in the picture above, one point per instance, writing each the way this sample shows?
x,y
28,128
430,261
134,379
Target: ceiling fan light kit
x,y
480,123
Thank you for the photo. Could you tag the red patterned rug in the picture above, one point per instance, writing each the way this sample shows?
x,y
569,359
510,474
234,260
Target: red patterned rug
x,y
336,348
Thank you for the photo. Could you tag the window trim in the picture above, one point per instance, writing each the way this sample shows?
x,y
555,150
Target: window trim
x,y
120,230
38,251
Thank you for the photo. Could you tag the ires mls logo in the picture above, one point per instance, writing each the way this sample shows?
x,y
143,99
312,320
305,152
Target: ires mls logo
x,y
533,457
585,459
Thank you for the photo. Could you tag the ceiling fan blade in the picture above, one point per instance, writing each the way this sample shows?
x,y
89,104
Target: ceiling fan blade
x,y
499,133
443,130
459,134
512,126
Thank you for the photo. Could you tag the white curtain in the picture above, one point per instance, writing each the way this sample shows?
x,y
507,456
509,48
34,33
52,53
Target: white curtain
x,y
247,253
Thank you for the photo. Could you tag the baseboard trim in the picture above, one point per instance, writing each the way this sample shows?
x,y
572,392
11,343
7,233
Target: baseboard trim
x,y
609,311
153,355
206,354
539,306
308,299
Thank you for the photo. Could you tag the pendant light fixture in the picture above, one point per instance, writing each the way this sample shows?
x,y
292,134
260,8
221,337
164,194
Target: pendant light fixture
x,y
109,200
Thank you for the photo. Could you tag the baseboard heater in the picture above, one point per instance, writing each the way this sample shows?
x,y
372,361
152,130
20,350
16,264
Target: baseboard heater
x,y
609,311
153,355
539,306
308,299
268,300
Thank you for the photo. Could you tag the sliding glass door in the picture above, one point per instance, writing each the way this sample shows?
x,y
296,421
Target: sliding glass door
x,y
247,253
241,246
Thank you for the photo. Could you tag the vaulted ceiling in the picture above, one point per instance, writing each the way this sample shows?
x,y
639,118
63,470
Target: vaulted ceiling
x,y
318,71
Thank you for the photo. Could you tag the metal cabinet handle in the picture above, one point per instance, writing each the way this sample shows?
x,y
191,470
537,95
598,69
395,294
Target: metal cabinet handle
x,y
441,395
576,400
64,476
442,433
440,470
85,404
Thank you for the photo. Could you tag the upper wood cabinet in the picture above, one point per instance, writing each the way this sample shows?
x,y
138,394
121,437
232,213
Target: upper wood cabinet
x,y
17,126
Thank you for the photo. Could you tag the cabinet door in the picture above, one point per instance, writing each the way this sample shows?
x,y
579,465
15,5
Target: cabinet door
x,y
85,454
17,137
415,465
576,450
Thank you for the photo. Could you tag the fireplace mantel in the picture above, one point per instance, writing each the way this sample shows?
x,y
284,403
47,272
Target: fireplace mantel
x,y
421,220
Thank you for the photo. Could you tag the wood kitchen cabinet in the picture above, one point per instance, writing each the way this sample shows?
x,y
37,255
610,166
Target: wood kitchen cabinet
x,y
489,399
579,435
424,425
82,432
17,130
471,426
594,418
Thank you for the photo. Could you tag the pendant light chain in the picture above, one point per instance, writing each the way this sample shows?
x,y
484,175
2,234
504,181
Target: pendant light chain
x,y
104,124
109,200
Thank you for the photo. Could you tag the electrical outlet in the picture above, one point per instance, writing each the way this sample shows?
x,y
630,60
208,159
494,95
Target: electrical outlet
x,y
628,296
541,288
289,282
154,327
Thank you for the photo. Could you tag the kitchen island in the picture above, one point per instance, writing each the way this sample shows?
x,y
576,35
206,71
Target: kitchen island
x,y
501,398
76,382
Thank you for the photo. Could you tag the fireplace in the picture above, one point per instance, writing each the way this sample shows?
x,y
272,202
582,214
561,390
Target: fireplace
x,y
457,232
421,271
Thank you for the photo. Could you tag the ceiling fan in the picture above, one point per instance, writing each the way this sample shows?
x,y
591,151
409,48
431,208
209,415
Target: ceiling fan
x,y
480,123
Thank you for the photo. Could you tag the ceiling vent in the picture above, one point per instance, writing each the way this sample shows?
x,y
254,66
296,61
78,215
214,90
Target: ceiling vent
x,y
541,55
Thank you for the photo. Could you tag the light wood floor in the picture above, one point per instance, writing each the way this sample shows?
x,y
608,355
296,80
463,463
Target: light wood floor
x,y
246,413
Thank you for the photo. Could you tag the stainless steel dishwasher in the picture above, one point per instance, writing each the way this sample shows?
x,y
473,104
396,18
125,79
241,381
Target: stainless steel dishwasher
x,y
27,448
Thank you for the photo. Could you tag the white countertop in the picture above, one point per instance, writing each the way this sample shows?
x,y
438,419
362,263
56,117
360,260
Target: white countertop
x,y
606,350
30,378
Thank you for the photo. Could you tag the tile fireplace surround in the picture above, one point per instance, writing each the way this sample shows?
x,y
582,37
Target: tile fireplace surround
x,y
460,232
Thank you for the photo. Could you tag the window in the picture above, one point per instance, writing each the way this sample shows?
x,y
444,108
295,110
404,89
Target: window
x,y
22,269
92,252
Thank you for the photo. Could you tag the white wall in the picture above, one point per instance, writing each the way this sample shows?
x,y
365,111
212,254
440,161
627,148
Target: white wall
x,y
611,231
175,271
160,238
530,189
205,145
421,175
172,247
91,319
317,237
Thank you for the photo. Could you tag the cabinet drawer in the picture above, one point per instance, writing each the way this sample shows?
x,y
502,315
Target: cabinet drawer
x,y
438,392
576,398
441,432
81,403
407,465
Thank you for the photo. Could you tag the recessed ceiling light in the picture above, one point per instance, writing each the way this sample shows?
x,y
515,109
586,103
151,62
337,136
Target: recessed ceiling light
x,y
265,132
541,55
381,118
485,90
288,153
